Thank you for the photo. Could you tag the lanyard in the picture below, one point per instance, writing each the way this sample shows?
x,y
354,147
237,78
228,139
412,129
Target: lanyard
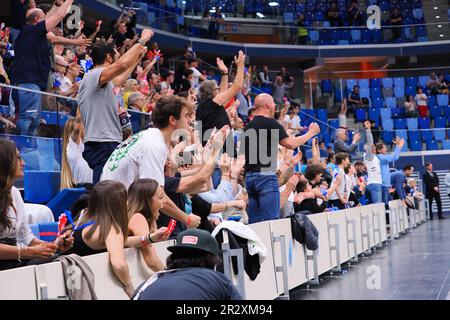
x,y
77,227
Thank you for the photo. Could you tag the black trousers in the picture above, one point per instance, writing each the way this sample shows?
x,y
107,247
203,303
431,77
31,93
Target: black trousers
x,y
96,155
436,196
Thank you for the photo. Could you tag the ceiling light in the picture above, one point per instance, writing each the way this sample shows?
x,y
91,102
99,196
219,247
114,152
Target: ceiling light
x,y
437,17
274,4
441,35
439,25
260,15
435,8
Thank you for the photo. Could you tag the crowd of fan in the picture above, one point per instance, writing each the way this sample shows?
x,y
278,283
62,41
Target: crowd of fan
x,y
211,153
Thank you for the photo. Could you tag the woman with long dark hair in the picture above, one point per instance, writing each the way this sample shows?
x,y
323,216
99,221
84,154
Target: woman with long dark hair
x,y
18,246
103,226
145,199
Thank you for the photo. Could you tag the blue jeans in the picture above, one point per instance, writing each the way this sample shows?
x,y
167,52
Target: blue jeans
x,y
263,195
375,192
28,108
385,195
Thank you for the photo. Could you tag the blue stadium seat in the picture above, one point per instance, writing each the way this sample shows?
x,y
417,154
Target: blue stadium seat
x,y
410,91
446,145
399,82
41,186
412,123
364,93
432,101
439,134
377,102
442,99
322,114
387,136
399,92
387,123
360,115
417,13
385,114
375,92
447,112
313,35
356,34
415,145
333,123
374,113
432,145
399,123
64,200
350,83
424,123
375,83
391,102
440,122
363,83
398,113
34,229
387,92
413,135
411,81
426,135
387,82
327,86
423,81
436,111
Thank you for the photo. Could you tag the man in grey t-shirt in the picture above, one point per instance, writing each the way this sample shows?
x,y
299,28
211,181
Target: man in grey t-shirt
x,y
98,105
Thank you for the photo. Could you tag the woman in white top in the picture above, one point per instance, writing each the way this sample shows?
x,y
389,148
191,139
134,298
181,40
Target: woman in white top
x,y
74,169
410,107
18,245
421,99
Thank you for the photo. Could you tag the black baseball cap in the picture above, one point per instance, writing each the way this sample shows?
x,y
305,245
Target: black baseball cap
x,y
195,239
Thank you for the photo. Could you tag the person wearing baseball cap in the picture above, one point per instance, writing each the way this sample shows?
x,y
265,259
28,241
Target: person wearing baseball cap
x,y
190,273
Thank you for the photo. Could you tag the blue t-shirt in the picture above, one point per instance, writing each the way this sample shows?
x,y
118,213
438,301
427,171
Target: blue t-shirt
x,y
191,284
32,56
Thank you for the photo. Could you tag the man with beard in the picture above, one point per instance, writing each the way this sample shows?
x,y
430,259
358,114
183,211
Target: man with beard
x,y
98,104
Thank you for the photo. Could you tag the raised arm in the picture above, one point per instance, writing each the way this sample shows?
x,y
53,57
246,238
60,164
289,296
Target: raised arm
x,y
224,77
295,142
54,19
238,84
369,138
118,70
55,40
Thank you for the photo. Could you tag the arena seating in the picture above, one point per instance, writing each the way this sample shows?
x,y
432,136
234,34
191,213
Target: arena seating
x,y
388,110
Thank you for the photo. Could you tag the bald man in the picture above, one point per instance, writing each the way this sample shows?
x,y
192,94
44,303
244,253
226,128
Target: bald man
x,y
260,145
32,65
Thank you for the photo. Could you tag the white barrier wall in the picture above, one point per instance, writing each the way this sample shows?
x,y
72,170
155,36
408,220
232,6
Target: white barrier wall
x,y
354,230
295,255
47,281
264,287
338,218
323,253
379,212
18,284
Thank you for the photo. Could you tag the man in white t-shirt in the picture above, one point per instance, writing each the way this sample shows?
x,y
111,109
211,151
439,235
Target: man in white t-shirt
x,y
144,154
293,120
197,75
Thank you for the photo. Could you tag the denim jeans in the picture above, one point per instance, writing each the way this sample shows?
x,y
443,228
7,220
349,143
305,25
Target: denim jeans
x,y
263,195
28,108
385,195
96,155
375,192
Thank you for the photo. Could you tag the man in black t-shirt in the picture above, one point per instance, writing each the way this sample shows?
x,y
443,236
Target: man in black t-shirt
x,y
31,65
259,143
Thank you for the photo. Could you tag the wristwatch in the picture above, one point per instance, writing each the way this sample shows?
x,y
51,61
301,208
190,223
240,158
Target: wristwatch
x,y
142,42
